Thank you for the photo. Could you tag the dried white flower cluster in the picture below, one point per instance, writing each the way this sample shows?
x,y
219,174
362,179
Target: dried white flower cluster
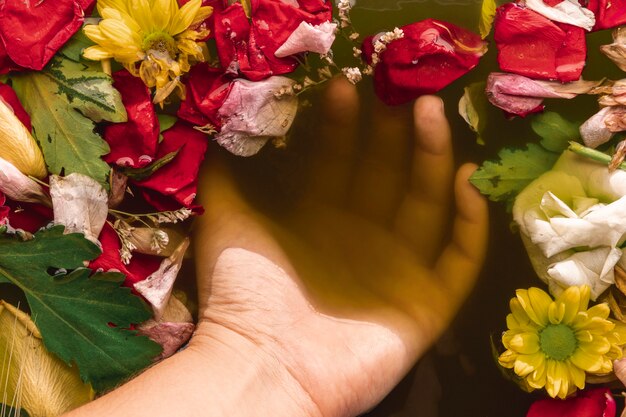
x,y
171,216
380,44
124,233
343,8
352,74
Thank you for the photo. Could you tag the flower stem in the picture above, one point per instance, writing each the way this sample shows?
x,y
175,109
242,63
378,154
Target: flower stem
x,y
593,154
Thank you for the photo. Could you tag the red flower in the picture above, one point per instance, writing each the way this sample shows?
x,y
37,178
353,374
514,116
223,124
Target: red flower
x,y
4,210
596,402
140,267
430,56
246,47
530,44
28,216
133,143
207,89
32,31
609,13
179,178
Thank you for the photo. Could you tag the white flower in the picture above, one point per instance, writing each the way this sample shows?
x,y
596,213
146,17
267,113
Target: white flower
x,y
252,114
573,223
567,11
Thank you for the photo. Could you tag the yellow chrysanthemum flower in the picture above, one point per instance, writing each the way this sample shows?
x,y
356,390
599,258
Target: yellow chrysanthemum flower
x,y
156,34
552,343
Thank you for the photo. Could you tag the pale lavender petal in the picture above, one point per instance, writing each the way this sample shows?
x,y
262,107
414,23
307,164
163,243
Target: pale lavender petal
x,y
308,38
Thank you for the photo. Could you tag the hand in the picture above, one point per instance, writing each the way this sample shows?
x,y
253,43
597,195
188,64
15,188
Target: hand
x,y
344,291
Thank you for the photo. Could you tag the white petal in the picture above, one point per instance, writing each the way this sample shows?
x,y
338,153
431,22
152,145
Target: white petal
x,y
308,38
594,131
592,268
247,127
568,11
80,204
19,187
157,288
171,336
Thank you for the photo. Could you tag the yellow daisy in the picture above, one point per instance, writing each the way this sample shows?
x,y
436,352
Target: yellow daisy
x,y
156,34
552,343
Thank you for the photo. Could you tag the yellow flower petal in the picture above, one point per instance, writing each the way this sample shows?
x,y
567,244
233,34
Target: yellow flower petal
x,y
556,312
203,14
599,346
526,364
184,17
96,53
163,12
525,343
140,10
570,300
111,4
507,359
535,303
586,362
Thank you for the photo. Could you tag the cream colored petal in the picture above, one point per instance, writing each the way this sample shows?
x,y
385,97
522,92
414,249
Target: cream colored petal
x,y
184,17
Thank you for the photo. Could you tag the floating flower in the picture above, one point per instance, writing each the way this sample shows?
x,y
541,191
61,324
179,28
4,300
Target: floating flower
x,y
552,343
521,96
154,39
247,46
31,32
532,45
597,402
421,58
572,223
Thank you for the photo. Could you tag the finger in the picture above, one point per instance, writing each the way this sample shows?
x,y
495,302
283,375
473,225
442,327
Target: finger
x,y
381,175
423,214
334,150
460,263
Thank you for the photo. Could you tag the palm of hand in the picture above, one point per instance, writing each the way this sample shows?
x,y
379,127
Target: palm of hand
x,y
351,288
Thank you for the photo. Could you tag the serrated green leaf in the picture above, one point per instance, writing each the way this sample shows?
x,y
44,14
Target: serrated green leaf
x,y
73,49
502,180
487,14
87,89
66,137
73,310
474,107
556,133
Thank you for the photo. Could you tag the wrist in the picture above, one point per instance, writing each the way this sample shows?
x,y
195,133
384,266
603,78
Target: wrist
x,y
245,380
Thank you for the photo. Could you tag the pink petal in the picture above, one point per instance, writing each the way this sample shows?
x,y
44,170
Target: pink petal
x,y
171,336
19,187
308,38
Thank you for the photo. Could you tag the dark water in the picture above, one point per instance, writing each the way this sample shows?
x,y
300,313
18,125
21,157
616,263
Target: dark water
x,y
458,377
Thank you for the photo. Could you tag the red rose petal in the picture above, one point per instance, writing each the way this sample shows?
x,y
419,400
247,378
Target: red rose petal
x,y
431,55
246,47
179,177
596,402
140,267
529,44
32,31
6,63
207,88
609,13
4,210
8,95
134,142
28,216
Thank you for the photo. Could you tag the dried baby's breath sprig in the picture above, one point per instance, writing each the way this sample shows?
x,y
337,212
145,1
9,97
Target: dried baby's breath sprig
x,y
159,240
174,216
352,74
380,44
207,129
124,233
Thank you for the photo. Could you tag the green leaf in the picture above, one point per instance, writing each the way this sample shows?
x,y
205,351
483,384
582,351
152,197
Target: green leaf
x,y
66,136
87,89
73,309
73,49
556,133
474,107
143,173
487,14
502,180
166,121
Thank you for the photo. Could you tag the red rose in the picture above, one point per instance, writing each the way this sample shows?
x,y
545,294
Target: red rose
x,y
430,56
596,402
179,178
246,47
609,13
530,44
207,88
133,143
32,31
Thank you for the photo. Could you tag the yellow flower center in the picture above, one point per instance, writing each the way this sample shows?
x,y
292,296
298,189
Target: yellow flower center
x,y
162,42
558,341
